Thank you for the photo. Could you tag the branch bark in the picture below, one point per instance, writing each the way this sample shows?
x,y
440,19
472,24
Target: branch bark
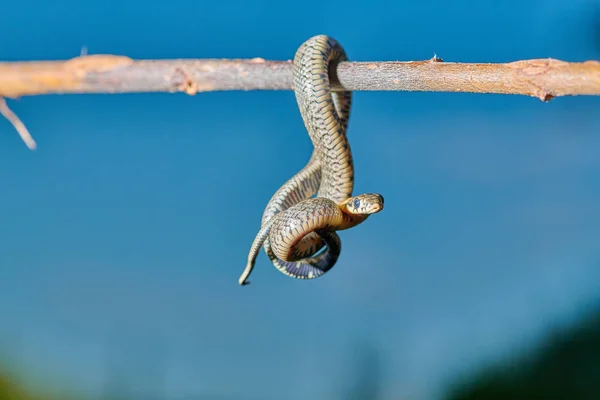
x,y
541,78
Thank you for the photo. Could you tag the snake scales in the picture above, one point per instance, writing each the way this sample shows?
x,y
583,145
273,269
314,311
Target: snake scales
x,y
295,225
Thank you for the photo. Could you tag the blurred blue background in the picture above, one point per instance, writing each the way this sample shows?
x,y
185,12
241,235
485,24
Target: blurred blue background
x,y
124,234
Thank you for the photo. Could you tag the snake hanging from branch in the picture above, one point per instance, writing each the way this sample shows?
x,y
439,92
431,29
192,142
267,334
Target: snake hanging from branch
x,y
295,225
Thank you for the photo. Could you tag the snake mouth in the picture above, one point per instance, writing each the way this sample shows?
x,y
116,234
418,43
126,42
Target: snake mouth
x,y
376,204
376,208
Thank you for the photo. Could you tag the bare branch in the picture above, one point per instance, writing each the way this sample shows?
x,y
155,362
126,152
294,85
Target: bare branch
x,y
541,78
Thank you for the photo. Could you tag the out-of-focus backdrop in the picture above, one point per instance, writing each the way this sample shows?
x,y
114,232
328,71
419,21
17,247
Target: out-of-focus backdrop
x,y
123,236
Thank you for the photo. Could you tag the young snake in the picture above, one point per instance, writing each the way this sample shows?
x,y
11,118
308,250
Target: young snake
x,y
294,225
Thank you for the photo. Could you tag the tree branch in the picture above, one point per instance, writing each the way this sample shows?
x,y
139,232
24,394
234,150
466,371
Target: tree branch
x,y
541,78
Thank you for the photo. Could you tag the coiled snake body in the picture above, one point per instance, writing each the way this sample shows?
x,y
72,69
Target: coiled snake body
x,y
294,225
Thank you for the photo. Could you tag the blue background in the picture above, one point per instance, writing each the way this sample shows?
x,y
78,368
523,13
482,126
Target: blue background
x,y
124,234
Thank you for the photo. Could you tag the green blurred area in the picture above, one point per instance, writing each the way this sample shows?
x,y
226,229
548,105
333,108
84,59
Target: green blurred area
x,y
9,390
565,365
19,382
13,389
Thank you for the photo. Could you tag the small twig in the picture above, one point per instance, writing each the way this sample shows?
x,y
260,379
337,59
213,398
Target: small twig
x,y
16,122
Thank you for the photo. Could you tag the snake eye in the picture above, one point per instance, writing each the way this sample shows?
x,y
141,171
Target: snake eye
x,y
356,203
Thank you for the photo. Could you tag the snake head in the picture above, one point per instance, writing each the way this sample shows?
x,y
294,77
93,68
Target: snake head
x,y
364,204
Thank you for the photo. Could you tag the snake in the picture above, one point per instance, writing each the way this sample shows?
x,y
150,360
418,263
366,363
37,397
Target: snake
x,y
295,225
